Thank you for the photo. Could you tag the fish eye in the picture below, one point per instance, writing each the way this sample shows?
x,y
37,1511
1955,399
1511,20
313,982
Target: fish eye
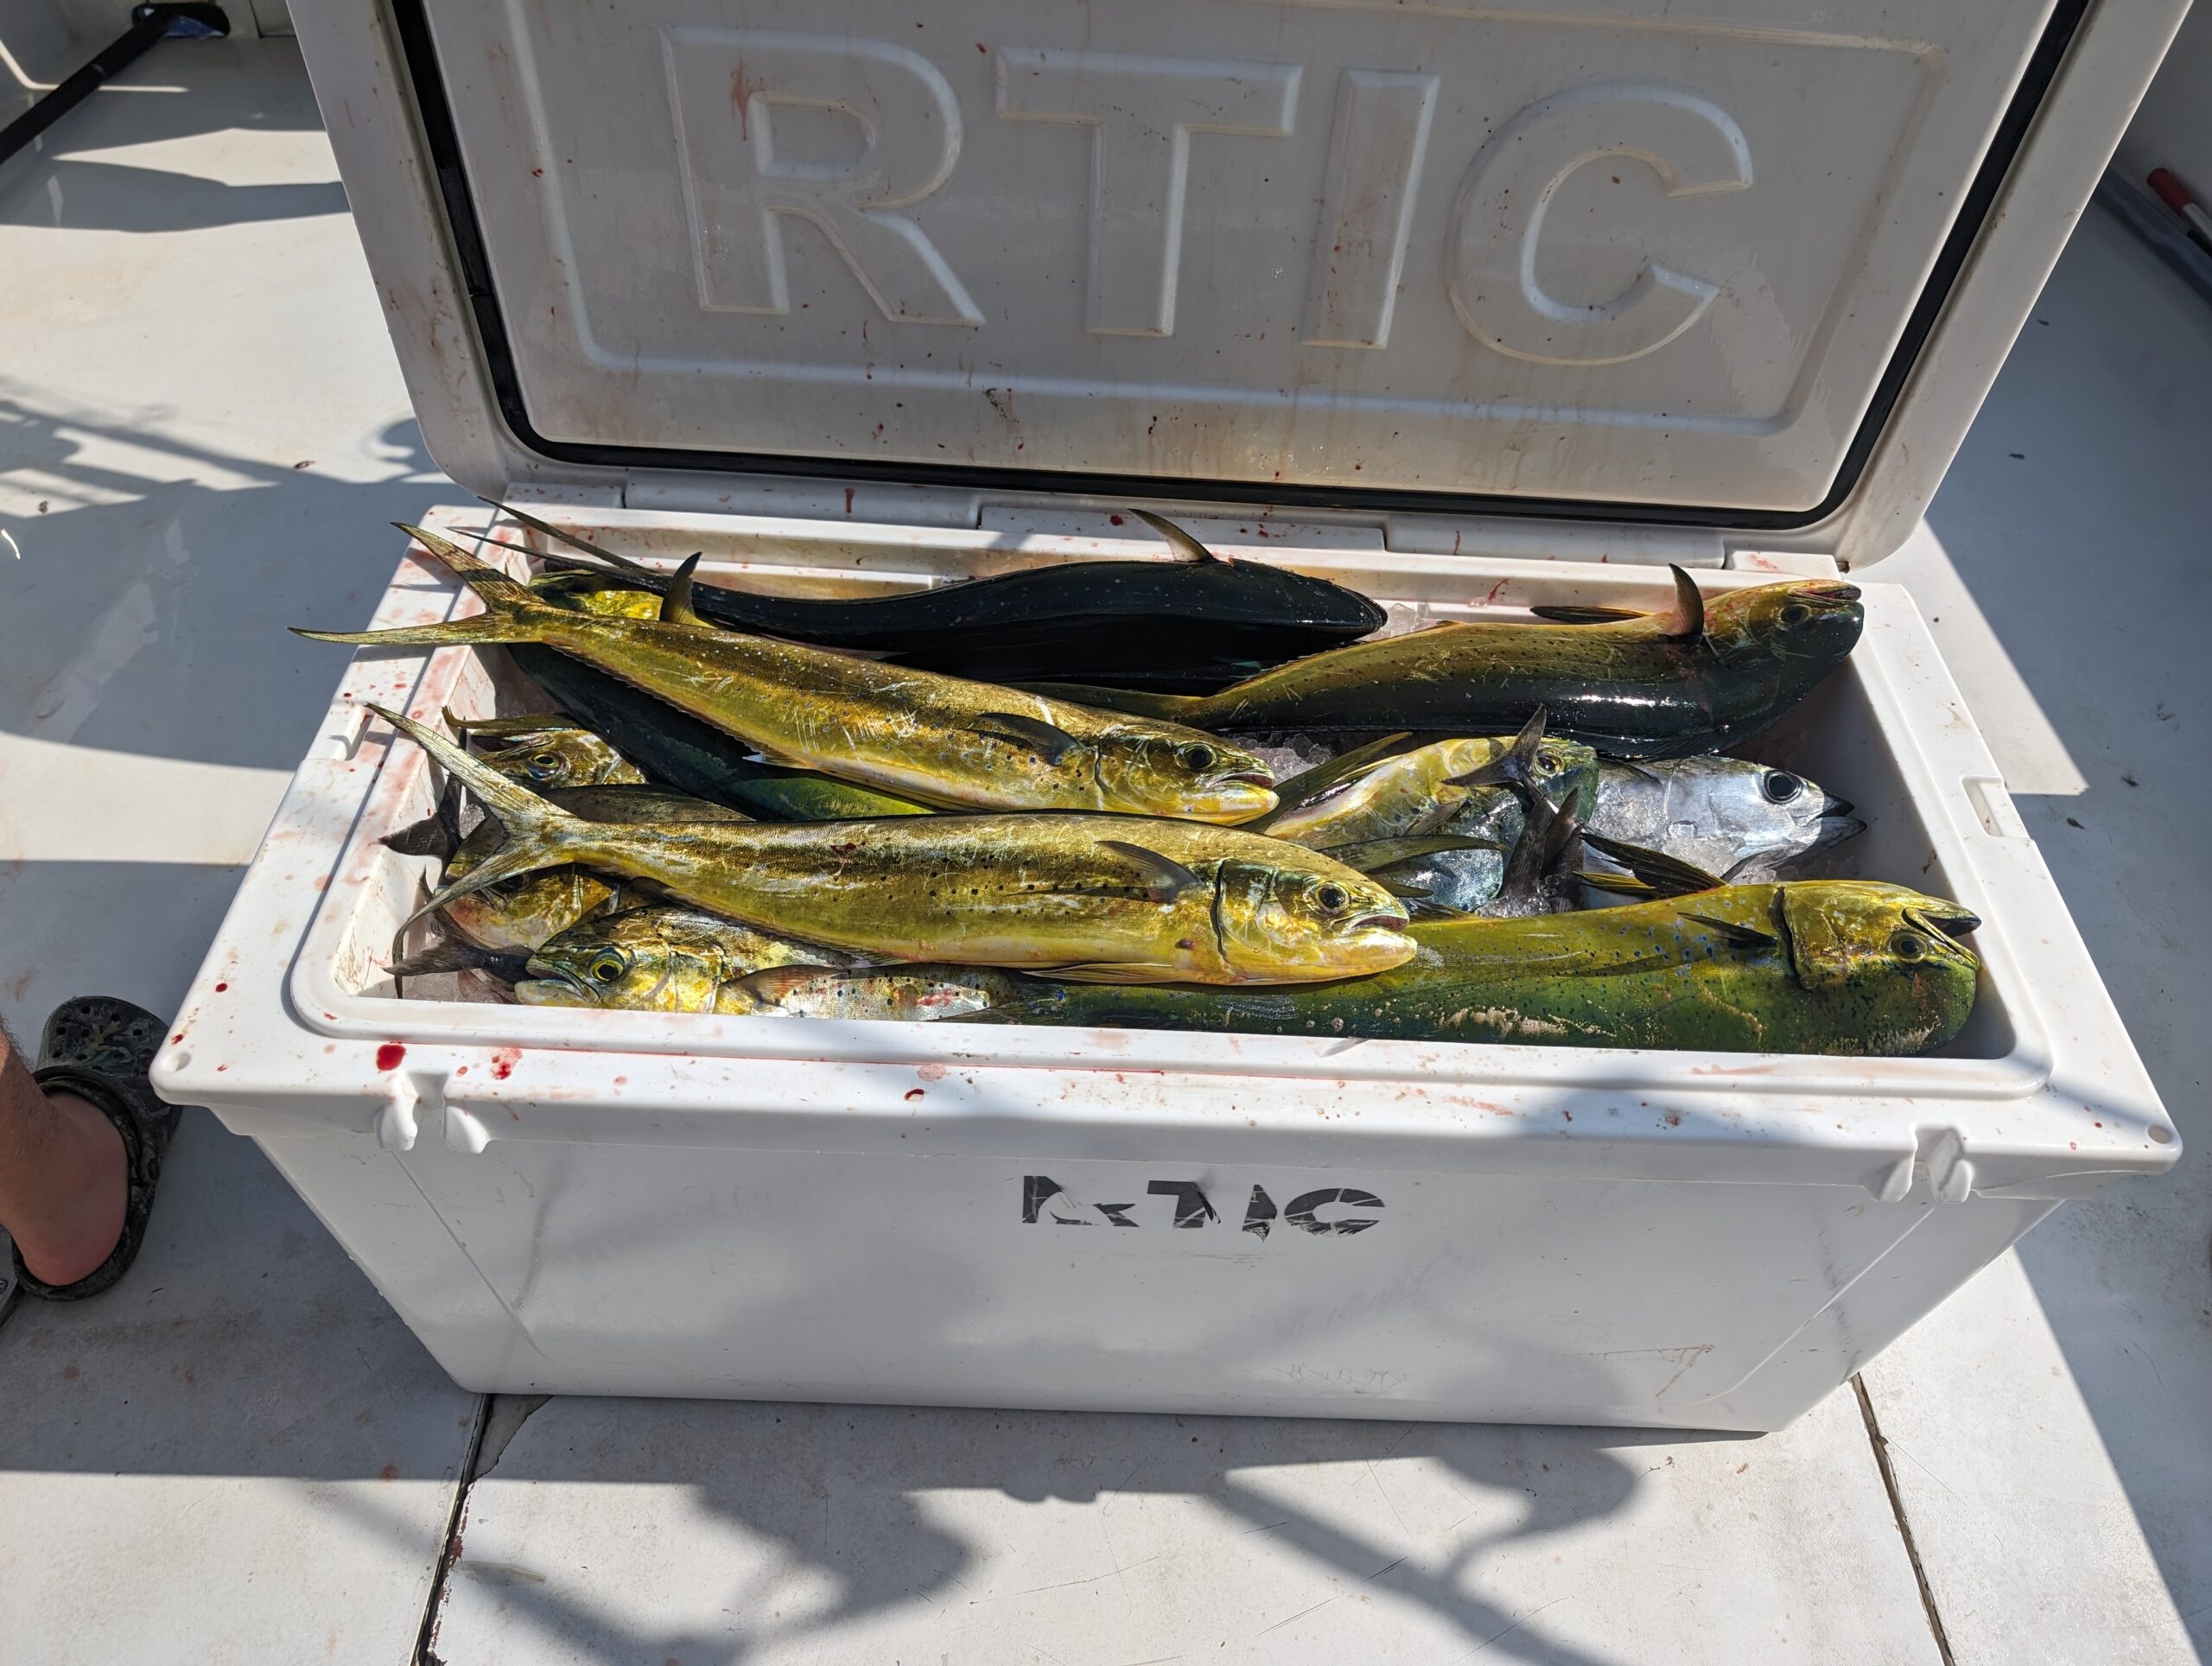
x,y
1780,786
1907,945
1333,898
1197,754
607,969
1795,613
1548,760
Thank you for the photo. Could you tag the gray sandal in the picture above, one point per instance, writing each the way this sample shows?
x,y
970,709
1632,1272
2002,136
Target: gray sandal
x,y
100,1049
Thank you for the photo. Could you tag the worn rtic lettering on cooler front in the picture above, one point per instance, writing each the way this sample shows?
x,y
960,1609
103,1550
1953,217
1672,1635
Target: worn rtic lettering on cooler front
x,y
1325,1211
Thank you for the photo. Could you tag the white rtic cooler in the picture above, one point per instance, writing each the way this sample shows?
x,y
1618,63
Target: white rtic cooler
x,y
1469,309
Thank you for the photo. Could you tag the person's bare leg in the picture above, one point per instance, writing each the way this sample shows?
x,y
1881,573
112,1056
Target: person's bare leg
x,y
64,1175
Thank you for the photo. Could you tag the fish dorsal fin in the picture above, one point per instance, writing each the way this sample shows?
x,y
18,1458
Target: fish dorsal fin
x,y
1165,878
676,604
1660,874
1046,740
1736,936
1178,540
1557,614
1686,622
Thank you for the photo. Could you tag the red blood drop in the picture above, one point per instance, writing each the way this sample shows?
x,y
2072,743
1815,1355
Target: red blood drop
x,y
1116,519
220,988
388,1055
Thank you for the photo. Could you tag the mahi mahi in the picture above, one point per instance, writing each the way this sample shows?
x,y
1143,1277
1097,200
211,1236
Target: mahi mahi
x,y
1699,677
1810,966
941,740
1094,898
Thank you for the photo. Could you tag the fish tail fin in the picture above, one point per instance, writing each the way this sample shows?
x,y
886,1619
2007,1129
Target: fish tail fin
x,y
1130,703
1515,767
1544,851
539,834
621,564
512,613
437,834
459,955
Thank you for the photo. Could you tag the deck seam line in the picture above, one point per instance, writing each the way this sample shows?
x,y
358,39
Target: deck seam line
x,y
449,1547
1881,1446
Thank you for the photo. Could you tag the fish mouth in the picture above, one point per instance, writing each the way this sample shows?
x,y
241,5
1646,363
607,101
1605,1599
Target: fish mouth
x,y
1827,594
1836,825
1259,777
1953,925
1832,805
543,973
1377,921
1238,798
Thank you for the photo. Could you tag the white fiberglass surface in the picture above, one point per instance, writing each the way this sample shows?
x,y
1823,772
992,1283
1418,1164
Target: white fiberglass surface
x,y
1885,732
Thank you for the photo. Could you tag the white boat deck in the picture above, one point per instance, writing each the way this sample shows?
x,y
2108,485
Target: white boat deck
x,y
240,1455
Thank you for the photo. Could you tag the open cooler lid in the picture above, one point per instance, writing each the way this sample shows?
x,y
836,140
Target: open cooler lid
x,y
1628,263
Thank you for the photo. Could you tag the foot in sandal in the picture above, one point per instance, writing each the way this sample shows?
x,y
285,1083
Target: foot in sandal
x,y
81,1142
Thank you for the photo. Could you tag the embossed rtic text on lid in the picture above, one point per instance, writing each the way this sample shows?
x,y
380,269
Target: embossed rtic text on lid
x,y
1612,253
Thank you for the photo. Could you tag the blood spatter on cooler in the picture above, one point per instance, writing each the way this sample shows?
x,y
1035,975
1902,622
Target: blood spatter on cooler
x,y
504,1061
388,1055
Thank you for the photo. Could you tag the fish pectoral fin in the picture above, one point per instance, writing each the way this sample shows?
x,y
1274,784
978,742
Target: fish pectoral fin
x,y
1622,884
1740,937
1667,876
1303,789
1051,743
1686,621
1133,702
1166,879
1178,540
778,759
676,607
1369,854
1557,615
1114,971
